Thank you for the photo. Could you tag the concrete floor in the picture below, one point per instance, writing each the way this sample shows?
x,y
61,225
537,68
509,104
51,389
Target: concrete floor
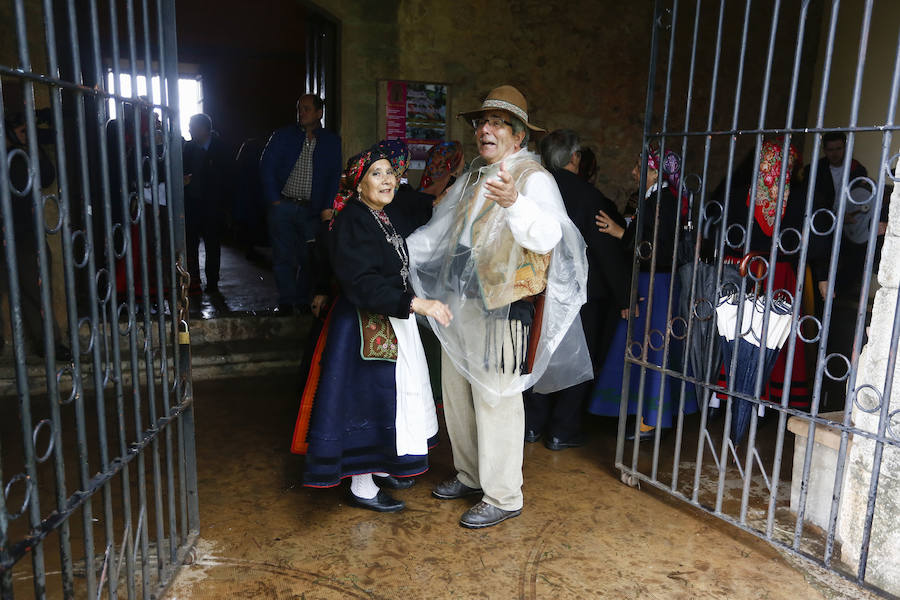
x,y
246,284
582,534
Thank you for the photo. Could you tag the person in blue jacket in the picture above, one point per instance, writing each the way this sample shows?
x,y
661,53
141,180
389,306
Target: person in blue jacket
x,y
300,170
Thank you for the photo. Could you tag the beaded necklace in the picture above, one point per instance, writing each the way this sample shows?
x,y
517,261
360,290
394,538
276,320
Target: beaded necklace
x,y
393,238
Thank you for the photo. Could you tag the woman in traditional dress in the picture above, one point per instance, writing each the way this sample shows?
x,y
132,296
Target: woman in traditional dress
x,y
761,199
660,396
367,408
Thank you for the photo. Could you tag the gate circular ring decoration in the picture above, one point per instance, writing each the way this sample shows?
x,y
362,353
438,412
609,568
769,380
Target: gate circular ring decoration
x,y
29,182
712,218
645,250
740,229
728,288
28,491
662,339
827,369
894,433
855,183
34,439
783,295
812,222
67,370
765,270
120,230
129,323
887,168
875,391
60,213
816,322
135,213
672,328
688,183
76,236
103,275
90,338
707,303
640,349
781,237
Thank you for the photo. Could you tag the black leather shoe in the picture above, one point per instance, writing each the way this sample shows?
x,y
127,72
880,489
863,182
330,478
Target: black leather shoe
x,y
394,483
557,443
454,488
486,515
380,503
531,436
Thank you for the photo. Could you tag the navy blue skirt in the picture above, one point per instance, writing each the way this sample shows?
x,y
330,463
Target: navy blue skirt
x,y
352,426
661,392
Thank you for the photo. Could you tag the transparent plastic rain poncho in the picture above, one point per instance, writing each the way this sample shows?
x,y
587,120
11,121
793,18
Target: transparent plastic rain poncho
x,y
474,263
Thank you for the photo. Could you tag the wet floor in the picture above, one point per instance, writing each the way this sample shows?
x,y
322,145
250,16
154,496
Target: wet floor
x,y
246,284
582,534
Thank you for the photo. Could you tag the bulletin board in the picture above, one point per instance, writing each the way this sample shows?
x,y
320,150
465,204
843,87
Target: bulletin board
x,y
416,112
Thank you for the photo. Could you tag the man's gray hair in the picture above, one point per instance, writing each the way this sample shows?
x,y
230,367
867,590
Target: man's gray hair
x,y
558,147
519,126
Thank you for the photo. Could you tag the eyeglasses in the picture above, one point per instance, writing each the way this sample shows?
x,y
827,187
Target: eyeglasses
x,y
494,122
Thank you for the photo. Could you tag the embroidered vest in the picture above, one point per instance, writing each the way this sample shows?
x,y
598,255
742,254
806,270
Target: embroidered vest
x,y
506,271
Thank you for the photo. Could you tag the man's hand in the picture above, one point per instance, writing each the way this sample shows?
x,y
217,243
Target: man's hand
x,y
326,214
502,190
823,290
187,179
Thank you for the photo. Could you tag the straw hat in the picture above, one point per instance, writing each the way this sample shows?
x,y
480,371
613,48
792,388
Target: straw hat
x,y
507,98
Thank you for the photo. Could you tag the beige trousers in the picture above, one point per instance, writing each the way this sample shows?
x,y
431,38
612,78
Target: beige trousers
x,y
487,441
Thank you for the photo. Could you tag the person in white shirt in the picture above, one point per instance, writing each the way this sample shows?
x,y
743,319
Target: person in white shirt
x,y
498,241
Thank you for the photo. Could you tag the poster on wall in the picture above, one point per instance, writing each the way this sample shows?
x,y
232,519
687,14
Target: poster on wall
x,y
417,114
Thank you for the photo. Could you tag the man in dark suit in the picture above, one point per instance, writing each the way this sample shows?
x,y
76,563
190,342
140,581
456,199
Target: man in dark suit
x,y
559,415
827,186
207,165
300,170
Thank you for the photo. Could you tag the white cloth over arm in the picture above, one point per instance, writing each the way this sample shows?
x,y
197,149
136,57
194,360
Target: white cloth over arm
x,y
533,229
416,420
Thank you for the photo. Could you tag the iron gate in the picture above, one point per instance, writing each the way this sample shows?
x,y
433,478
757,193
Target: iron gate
x,y
736,80
97,460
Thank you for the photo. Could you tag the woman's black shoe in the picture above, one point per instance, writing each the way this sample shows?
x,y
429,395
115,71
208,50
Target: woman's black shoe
x,y
380,503
394,483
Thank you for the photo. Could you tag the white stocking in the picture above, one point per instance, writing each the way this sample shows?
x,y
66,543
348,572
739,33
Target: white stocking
x,y
362,486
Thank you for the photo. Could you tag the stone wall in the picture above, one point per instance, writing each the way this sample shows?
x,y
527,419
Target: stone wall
x,y
875,364
581,65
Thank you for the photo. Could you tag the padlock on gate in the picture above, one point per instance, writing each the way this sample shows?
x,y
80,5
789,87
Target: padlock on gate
x,y
184,336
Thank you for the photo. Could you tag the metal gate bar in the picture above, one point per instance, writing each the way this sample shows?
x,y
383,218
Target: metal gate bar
x,y
108,317
703,212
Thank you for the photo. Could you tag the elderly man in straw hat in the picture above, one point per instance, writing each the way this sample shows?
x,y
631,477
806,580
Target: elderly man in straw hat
x,y
501,252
